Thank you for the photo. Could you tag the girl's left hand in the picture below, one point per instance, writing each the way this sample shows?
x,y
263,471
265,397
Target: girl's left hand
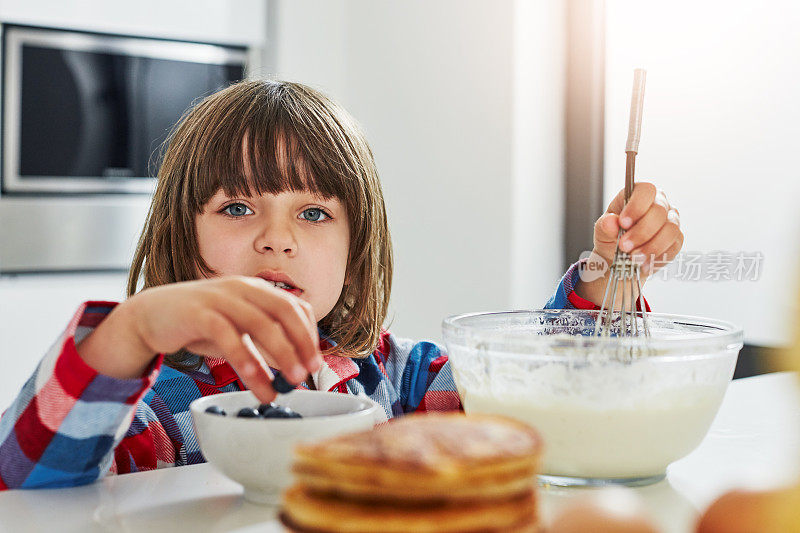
x,y
653,233
653,237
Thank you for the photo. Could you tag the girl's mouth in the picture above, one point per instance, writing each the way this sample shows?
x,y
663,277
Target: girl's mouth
x,y
286,287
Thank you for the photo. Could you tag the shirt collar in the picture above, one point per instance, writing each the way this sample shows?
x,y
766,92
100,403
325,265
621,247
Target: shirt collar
x,y
335,369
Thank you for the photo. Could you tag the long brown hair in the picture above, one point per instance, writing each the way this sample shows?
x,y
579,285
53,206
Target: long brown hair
x,y
298,140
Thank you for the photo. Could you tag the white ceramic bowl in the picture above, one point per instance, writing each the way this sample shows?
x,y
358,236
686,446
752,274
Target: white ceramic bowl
x,y
257,452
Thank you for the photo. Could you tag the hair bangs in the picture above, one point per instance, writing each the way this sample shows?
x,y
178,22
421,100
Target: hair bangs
x,y
274,150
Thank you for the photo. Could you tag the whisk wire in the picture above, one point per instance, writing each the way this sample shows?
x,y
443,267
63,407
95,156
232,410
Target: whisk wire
x,y
645,327
624,271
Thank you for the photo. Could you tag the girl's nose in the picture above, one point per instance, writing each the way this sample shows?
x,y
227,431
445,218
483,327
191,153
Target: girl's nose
x,y
277,238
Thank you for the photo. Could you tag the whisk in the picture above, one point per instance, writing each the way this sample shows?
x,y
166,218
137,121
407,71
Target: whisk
x,y
624,274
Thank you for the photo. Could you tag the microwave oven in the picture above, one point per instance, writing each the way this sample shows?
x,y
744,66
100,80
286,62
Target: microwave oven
x,y
84,116
87,112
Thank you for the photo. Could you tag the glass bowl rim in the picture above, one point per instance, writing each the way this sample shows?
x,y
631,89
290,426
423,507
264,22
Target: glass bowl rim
x,y
722,337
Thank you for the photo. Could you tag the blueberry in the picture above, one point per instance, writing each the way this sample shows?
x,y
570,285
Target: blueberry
x,y
247,412
280,384
265,408
216,410
281,412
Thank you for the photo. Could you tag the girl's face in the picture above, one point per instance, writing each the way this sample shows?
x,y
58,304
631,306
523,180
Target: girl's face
x,y
294,237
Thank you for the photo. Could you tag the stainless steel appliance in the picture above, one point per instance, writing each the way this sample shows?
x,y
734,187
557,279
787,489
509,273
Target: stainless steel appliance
x,y
84,115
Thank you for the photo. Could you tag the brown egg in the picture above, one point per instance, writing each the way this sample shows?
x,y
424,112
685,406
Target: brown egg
x,y
612,510
746,511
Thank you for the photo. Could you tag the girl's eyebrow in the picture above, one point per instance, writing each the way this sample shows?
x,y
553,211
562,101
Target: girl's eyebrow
x,y
221,196
332,201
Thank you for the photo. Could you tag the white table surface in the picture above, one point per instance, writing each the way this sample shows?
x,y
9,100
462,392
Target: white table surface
x,y
753,442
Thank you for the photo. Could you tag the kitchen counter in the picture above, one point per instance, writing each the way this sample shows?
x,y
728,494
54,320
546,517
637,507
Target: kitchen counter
x,y
753,442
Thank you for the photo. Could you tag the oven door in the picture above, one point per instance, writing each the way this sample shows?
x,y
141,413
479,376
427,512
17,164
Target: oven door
x,y
88,113
84,116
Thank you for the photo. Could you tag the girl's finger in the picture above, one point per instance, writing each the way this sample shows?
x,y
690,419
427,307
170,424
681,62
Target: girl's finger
x,y
643,192
667,257
645,228
250,368
312,321
251,345
271,362
308,354
659,244
317,361
285,310
263,330
606,229
643,197
273,341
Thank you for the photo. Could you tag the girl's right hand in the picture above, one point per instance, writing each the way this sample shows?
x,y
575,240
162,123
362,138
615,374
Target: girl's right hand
x,y
210,317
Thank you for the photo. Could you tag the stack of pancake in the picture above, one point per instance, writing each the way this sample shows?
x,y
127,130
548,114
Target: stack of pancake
x,y
421,473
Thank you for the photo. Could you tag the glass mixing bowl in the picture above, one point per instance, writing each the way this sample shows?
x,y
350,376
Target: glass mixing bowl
x,y
611,410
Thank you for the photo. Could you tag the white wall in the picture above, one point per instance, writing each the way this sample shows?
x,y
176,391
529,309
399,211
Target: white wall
x,y
462,104
538,146
34,310
720,134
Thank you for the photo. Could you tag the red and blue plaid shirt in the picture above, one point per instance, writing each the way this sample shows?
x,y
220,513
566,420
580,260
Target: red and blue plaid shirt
x,y
71,425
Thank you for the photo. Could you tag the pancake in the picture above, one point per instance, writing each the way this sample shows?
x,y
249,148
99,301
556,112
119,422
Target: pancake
x,y
307,512
431,457
448,473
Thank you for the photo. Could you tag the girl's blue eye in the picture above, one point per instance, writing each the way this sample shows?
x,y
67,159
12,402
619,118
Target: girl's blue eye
x,y
237,210
314,214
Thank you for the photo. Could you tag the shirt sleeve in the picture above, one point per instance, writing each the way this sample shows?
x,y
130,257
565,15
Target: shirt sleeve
x,y
422,375
565,296
153,440
62,428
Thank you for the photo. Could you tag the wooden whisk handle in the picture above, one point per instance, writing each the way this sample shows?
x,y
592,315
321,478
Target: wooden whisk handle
x,y
634,130
637,103
630,171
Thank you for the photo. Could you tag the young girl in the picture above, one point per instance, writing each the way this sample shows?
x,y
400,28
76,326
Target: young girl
x,y
266,245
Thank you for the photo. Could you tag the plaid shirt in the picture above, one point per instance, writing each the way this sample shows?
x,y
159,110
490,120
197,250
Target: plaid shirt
x,y
71,425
